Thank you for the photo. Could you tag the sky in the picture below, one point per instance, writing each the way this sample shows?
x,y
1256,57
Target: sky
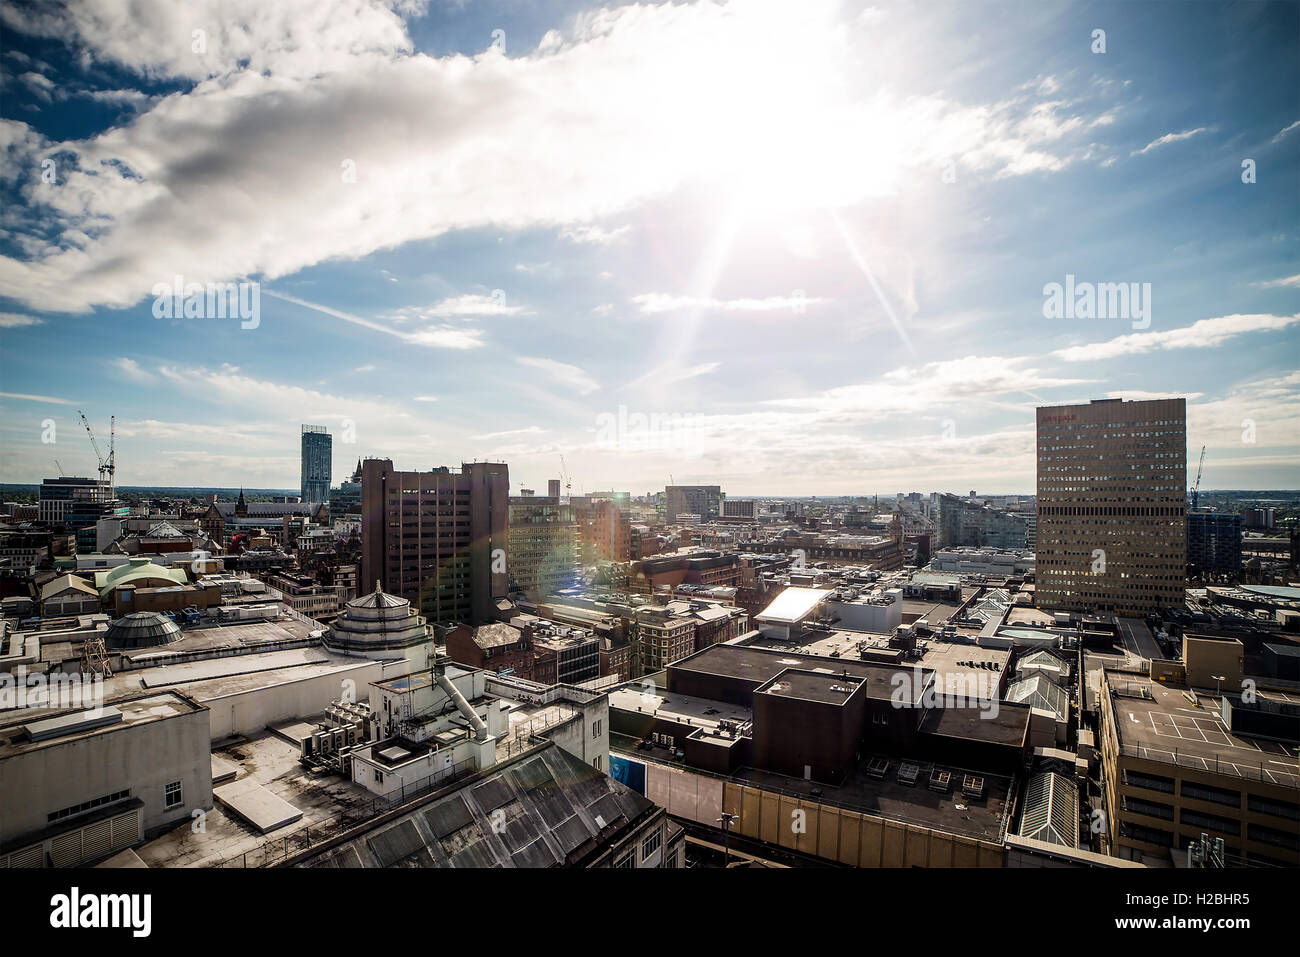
x,y
790,249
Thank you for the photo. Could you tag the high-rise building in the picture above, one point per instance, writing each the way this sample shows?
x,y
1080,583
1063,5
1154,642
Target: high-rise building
x,y
553,488
964,523
543,549
1213,543
1112,502
437,539
317,454
702,500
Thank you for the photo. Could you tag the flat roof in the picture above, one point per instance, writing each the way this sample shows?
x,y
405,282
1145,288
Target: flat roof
x,y
81,723
952,812
812,686
682,708
1006,724
1165,726
761,665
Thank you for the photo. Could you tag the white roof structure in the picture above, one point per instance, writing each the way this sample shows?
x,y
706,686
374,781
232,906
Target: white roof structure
x,y
1051,809
793,605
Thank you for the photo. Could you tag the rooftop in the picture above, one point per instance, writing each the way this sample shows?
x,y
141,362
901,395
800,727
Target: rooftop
x,y
557,810
1159,724
28,731
812,686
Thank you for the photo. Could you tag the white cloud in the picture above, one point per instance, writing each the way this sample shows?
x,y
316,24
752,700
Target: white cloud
x,y
1167,139
593,234
35,398
566,375
659,302
1292,282
12,320
438,337
1285,130
1203,334
632,104
461,307
672,373
530,430
131,370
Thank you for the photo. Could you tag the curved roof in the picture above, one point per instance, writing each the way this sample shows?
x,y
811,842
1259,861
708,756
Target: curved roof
x,y
141,629
135,570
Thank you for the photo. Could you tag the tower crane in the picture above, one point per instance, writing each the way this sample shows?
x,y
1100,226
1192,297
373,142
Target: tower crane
x,y
568,479
107,466
1196,489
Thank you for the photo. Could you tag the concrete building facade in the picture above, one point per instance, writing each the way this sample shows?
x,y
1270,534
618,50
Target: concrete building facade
x,y
437,539
1112,502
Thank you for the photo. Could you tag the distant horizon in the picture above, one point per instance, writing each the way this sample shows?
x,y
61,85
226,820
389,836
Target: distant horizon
x,y
235,489
760,244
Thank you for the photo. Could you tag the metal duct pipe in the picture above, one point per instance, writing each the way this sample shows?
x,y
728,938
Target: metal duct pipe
x,y
480,729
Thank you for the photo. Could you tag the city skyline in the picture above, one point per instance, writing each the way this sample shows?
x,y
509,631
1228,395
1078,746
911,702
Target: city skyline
x,y
490,233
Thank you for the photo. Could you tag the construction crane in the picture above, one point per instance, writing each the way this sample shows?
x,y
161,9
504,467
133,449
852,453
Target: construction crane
x,y
107,466
568,479
1196,489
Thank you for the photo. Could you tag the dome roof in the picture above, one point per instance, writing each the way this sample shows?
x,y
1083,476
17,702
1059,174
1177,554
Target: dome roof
x,y
379,599
377,623
141,629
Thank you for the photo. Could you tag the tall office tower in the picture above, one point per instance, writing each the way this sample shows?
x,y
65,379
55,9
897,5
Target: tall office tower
x,y
1112,503
437,539
702,500
543,538
317,454
553,488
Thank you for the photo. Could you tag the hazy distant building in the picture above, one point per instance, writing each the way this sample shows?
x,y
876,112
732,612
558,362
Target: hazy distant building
x,y
347,497
604,531
553,488
437,538
1213,543
1112,501
702,500
739,509
317,454
543,546
963,523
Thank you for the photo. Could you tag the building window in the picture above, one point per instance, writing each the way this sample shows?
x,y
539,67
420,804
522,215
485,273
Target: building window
x,y
651,843
1211,822
1271,835
86,806
379,777
1204,792
627,861
172,795
1263,805
1151,782
595,762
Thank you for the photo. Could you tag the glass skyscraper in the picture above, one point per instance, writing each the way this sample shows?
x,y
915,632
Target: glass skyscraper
x,y
317,453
